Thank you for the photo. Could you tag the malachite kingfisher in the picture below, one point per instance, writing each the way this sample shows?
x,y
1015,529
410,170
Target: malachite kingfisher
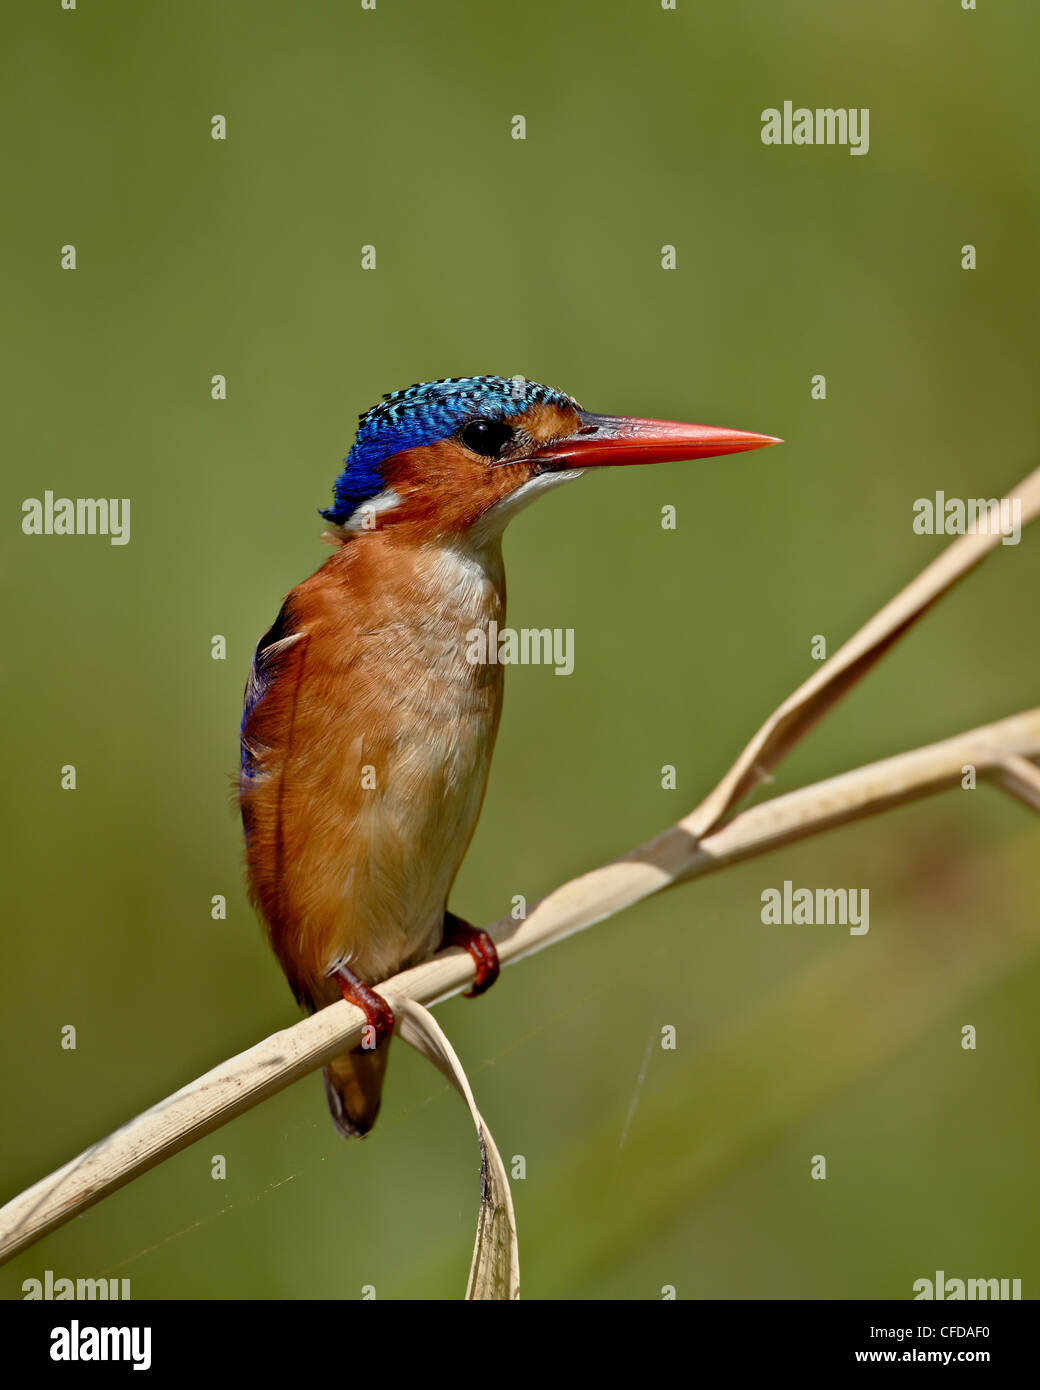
x,y
367,732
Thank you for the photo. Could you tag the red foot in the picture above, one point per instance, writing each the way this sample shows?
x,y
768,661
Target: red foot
x,y
375,1008
480,947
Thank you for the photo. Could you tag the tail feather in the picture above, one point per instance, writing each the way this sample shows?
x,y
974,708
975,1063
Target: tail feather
x,y
354,1088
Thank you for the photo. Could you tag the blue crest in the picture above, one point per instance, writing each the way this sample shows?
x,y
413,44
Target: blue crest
x,y
423,414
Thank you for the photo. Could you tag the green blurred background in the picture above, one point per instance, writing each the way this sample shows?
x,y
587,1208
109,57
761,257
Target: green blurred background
x,y
645,1167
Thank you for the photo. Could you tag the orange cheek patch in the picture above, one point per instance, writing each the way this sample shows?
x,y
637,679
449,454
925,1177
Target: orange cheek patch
x,y
443,489
545,422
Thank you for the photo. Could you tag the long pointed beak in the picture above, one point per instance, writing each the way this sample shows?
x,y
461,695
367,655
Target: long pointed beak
x,y
604,441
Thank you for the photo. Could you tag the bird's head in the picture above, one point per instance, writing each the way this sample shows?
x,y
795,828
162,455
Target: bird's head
x,y
461,456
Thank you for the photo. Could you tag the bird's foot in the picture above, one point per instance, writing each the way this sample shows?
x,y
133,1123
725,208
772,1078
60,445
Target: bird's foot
x,y
377,1011
479,945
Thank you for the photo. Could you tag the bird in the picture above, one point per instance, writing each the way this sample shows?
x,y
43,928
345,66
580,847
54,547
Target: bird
x,y
367,729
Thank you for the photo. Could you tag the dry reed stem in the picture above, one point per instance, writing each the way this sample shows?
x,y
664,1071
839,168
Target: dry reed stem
x,y
697,845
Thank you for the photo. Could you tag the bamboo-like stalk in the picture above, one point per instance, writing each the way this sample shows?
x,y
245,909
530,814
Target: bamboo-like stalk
x,y
699,844
245,1080
1018,776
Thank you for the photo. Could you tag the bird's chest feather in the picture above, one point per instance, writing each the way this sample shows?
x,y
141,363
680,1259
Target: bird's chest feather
x,y
441,716
382,786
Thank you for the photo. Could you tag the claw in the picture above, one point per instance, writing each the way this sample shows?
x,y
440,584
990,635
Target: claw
x,y
480,947
377,1011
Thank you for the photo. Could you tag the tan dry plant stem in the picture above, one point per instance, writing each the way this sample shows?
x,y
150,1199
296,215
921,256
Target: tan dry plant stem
x,y
495,1268
825,687
1000,752
245,1080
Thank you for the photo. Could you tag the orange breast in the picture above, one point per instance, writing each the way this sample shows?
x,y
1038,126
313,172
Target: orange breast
x,y
369,750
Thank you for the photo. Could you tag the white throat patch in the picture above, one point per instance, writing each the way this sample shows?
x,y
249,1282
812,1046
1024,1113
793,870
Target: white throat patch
x,y
493,522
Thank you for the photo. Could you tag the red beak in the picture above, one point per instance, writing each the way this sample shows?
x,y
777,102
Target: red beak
x,y
608,440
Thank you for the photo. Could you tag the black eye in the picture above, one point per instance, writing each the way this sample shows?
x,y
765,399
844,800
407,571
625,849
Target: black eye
x,y
486,437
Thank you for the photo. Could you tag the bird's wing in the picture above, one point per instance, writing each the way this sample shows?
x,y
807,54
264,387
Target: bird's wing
x,y
268,661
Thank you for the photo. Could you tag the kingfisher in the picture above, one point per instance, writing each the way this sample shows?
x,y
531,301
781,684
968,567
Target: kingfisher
x,y
367,727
